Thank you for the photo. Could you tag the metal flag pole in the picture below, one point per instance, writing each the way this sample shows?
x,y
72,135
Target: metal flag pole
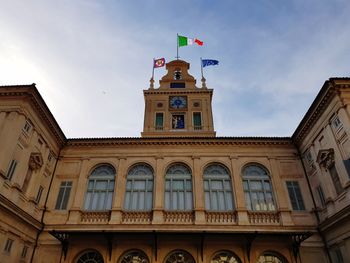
x,y
177,46
153,68
202,67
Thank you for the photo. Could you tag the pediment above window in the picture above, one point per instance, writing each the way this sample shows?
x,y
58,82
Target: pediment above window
x,y
35,161
325,158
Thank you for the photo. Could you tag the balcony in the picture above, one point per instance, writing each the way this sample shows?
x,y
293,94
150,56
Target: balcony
x,y
178,217
221,217
101,217
264,218
136,217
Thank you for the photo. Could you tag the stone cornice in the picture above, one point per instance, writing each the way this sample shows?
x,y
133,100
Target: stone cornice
x,y
32,94
177,91
18,212
206,141
328,91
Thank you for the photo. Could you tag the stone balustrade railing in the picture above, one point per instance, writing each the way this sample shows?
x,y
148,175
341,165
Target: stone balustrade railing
x,y
221,217
95,216
137,217
258,218
178,217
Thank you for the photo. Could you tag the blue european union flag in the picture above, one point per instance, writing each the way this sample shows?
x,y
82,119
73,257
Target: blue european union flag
x,y
209,62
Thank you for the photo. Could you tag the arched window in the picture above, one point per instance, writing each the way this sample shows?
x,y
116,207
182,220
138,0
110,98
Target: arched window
x,y
217,188
178,188
100,189
179,256
90,257
225,257
139,188
135,256
271,257
257,188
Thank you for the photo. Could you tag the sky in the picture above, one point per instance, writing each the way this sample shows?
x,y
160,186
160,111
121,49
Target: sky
x,y
91,60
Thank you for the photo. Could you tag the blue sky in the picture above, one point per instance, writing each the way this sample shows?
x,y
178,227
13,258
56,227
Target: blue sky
x,y
92,59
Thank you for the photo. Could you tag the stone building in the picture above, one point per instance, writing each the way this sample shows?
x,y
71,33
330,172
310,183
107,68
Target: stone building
x,y
178,193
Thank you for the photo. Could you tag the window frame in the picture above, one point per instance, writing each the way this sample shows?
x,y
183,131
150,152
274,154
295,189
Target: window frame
x,y
96,178
213,194
262,178
63,195
171,189
197,127
295,196
8,245
11,169
132,193
156,126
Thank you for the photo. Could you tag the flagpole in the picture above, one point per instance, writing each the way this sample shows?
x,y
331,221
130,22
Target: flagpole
x,y
153,69
177,46
202,67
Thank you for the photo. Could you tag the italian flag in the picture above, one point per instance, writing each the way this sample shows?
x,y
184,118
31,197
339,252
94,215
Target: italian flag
x,y
185,41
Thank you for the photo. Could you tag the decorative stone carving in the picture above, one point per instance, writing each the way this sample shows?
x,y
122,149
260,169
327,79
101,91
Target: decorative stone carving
x,y
35,161
325,158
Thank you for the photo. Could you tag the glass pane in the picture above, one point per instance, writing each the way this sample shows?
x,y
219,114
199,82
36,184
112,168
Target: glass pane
x,y
229,201
59,198
167,200
87,201
127,200
65,198
189,204
134,201
174,201
216,185
101,185
227,185
150,185
267,185
149,201
255,185
101,200
248,201
111,185
206,185
141,201
188,185
214,201
221,198
167,185
139,185
178,185
207,201
94,201
91,185
245,185
128,185
181,203
109,200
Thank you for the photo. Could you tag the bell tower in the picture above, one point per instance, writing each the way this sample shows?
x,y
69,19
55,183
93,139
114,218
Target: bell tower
x,y
178,108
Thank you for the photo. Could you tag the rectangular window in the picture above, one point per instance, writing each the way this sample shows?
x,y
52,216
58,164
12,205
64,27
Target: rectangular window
x,y
336,180
11,169
159,121
347,166
8,245
24,252
197,121
336,123
321,196
63,195
27,127
295,195
38,196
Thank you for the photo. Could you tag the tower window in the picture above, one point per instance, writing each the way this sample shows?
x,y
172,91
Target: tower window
x,y
8,245
197,120
159,121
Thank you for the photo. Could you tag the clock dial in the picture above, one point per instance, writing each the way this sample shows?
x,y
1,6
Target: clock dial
x,y
178,102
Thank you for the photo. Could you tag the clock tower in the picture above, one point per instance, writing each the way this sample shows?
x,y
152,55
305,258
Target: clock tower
x,y
178,108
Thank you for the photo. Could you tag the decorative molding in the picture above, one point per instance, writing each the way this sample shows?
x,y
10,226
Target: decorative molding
x,y
35,161
325,158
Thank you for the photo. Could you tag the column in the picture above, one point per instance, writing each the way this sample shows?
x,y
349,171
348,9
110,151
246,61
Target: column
x,y
198,192
119,191
242,215
158,191
280,193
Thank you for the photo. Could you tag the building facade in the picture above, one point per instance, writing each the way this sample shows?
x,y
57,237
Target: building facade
x,y
178,193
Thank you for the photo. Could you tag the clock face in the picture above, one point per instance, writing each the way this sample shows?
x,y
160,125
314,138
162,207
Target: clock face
x,y
178,102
